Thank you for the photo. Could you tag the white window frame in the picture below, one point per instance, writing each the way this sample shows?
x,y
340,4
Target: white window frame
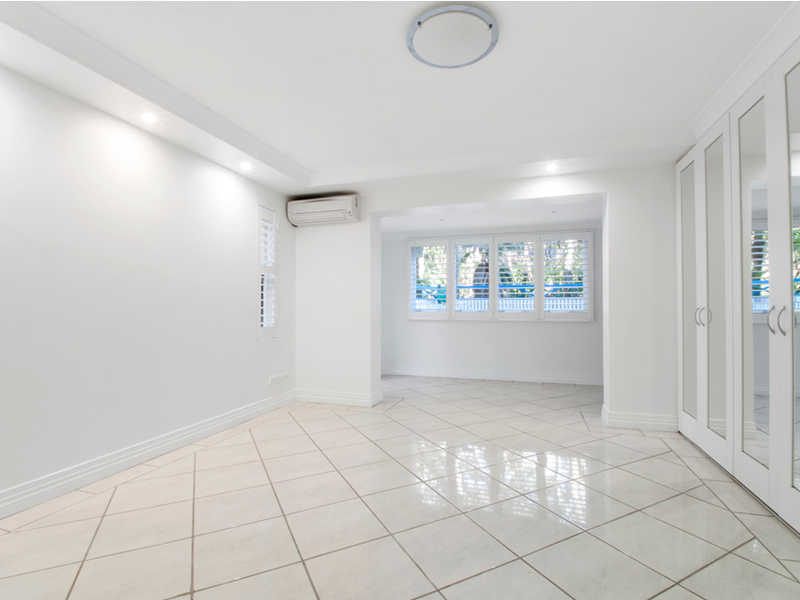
x,y
270,331
539,314
449,292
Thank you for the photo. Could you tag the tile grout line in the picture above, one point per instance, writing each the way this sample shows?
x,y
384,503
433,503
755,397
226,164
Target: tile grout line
x,y
86,554
390,534
448,450
780,562
716,560
517,496
461,513
194,512
635,510
517,555
736,514
17,529
286,521
750,531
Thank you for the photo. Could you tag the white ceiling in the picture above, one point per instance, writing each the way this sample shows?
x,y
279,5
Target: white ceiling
x,y
563,212
327,94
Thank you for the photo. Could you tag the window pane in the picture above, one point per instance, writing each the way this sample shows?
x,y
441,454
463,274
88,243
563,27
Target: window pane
x,y
472,277
267,300
515,269
566,266
428,278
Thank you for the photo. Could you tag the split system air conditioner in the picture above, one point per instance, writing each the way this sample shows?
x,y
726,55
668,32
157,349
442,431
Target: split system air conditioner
x,y
322,211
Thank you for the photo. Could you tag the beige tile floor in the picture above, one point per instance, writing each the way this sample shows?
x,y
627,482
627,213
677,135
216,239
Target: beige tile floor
x,y
455,489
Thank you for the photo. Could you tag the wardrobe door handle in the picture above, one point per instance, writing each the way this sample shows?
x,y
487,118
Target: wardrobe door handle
x,y
696,310
769,314
709,316
700,316
780,314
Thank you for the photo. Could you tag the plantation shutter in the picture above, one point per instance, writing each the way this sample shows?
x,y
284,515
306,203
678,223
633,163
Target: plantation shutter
x,y
516,275
796,267
268,272
759,270
428,279
472,277
566,265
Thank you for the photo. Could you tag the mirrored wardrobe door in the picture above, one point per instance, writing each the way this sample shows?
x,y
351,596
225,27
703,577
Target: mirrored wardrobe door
x,y
714,270
793,123
716,313
756,274
783,154
703,179
690,307
752,336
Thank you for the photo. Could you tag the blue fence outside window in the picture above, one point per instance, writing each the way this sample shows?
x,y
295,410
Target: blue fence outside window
x,y
760,294
557,298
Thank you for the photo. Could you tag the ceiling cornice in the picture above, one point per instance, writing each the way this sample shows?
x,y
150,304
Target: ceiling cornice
x,y
775,43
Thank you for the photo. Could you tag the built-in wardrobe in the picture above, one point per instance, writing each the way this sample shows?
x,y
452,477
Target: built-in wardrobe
x,y
739,290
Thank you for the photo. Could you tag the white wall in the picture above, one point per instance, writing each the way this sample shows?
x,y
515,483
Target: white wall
x,y
336,329
561,352
338,312
128,304
338,278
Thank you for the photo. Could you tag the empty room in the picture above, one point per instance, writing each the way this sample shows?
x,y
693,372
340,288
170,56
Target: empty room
x,y
399,300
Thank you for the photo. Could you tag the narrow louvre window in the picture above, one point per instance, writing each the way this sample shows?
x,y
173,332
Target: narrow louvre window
x,y
472,278
428,279
759,269
268,272
566,275
516,277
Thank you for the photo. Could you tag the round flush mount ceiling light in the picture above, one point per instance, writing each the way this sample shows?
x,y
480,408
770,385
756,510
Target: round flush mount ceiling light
x,y
452,36
245,166
551,168
149,118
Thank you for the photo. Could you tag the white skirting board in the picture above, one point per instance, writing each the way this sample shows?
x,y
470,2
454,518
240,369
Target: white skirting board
x,y
341,398
526,377
31,493
639,421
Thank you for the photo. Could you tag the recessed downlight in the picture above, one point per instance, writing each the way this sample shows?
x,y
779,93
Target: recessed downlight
x,y
149,118
551,168
245,166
